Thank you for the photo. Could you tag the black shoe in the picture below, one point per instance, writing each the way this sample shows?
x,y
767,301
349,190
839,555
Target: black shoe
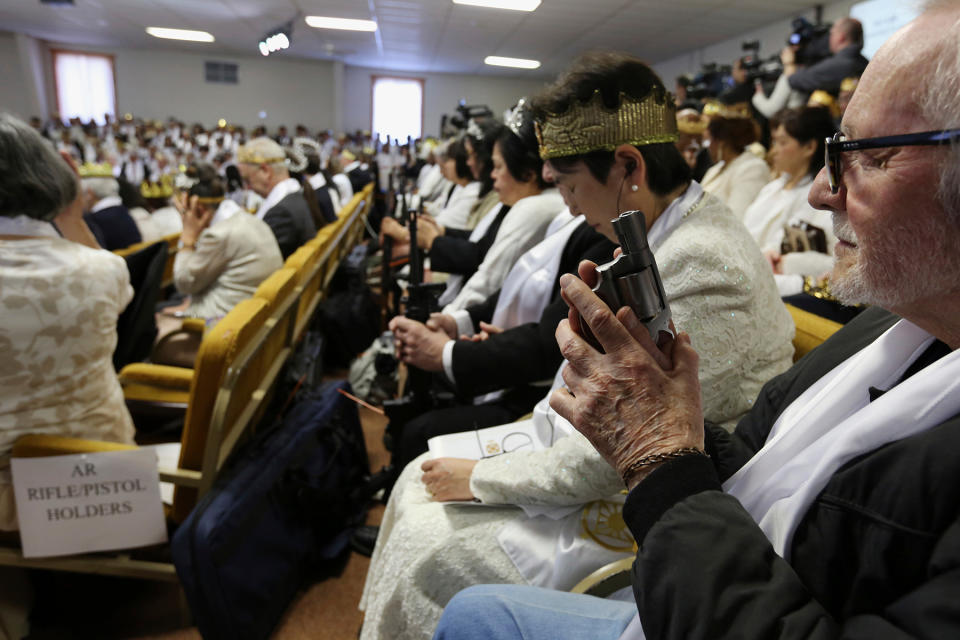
x,y
364,539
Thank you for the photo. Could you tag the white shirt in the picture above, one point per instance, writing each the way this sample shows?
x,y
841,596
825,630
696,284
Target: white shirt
x,y
737,182
457,209
773,207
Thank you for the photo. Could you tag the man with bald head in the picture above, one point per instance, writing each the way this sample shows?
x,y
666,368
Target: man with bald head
x,y
833,510
846,41
263,166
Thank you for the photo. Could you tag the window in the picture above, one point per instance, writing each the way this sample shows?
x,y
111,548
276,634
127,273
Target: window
x,y
223,72
397,108
85,85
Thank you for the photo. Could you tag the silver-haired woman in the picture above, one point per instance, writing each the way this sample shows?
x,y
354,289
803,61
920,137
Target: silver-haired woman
x,y
60,296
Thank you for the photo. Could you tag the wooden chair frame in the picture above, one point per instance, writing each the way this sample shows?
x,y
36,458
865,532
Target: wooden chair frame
x,y
222,439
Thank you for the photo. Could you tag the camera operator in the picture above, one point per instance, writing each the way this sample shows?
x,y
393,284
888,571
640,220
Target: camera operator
x,y
798,81
846,40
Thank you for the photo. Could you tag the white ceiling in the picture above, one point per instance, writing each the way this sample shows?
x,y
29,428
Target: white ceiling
x,y
414,35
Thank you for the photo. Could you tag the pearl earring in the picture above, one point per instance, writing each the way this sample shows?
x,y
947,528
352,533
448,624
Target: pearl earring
x,y
634,187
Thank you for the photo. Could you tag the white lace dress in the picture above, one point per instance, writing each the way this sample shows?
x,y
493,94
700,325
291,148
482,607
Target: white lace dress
x,y
722,293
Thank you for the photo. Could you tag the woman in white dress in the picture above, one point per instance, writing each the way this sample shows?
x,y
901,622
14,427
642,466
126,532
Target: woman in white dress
x,y
737,174
780,217
720,291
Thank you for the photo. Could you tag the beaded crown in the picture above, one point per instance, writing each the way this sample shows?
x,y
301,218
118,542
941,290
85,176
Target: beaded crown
x,y
591,126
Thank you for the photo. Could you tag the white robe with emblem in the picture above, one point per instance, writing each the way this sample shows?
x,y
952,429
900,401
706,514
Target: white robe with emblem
x,y
721,291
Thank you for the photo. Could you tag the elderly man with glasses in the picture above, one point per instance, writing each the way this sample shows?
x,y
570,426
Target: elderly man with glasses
x,y
834,508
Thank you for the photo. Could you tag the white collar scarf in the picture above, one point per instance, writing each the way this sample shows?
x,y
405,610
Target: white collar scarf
x,y
26,226
280,191
456,280
528,287
833,422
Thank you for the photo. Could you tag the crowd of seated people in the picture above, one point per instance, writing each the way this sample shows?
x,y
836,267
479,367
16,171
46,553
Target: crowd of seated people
x,y
764,498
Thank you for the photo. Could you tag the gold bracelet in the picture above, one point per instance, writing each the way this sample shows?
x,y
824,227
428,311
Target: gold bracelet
x,y
661,457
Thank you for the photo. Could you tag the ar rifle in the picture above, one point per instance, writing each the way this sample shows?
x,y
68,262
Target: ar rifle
x,y
419,303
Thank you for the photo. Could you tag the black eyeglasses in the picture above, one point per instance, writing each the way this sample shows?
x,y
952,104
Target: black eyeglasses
x,y
839,143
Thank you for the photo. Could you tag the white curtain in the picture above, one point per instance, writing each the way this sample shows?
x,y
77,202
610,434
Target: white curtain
x,y
397,108
85,87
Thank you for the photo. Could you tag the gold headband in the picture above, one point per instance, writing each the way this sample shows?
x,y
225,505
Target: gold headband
x,y
716,109
245,156
591,126
211,200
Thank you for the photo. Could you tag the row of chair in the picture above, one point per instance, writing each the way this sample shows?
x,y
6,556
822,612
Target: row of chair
x,y
226,393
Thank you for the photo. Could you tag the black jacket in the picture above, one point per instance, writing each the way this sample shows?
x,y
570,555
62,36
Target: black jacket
x,y
454,253
830,72
877,555
113,227
291,223
528,353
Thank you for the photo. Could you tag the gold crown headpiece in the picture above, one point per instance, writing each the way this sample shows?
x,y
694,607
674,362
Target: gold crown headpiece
x,y
591,126
849,84
691,122
94,170
156,190
821,98
717,109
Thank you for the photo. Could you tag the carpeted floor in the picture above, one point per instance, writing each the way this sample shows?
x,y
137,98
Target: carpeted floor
x,y
82,606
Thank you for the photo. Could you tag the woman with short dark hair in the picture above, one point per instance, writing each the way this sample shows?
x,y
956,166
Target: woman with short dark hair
x,y
797,239
454,207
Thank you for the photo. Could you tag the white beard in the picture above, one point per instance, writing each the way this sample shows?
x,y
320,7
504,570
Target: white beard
x,y
915,258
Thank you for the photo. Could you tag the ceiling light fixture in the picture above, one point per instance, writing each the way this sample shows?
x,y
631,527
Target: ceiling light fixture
x,y
514,5
346,24
516,63
277,39
180,34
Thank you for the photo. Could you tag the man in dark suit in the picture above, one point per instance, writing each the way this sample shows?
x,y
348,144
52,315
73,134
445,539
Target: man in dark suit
x,y
110,221
263,166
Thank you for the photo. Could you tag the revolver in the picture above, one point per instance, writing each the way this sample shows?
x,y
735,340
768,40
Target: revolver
x,y
632,280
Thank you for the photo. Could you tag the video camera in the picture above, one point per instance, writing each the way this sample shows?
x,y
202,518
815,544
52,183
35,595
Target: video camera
x,y
712,80
813,40
451,125
757,68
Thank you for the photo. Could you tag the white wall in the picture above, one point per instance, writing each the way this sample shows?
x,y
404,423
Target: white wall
x,y
15,95
772,39
442,92
158,84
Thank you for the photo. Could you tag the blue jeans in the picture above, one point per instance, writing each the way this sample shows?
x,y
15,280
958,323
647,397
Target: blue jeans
x,y
513,612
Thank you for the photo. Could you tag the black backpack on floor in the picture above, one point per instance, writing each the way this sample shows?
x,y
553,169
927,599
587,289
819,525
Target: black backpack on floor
x,y
288,502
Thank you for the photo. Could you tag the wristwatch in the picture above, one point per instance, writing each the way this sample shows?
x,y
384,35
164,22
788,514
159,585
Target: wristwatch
x,y
188,246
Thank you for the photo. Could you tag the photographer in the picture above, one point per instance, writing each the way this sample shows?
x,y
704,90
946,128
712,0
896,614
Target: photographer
x,y
798,81
846,40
